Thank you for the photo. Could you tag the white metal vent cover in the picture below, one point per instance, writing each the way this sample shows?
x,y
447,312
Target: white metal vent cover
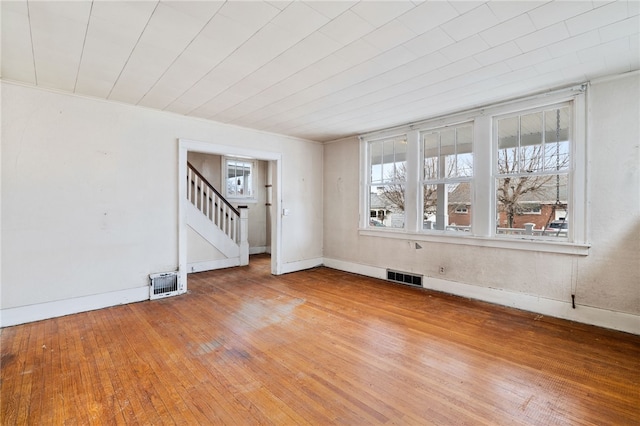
x,y
164,284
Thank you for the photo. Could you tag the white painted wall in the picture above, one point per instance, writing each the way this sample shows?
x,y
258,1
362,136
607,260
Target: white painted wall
x,y
200,250
89,197
607,281
208,165
610,276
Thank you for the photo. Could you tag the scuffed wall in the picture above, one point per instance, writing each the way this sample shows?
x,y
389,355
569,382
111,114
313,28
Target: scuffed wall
x,y
607,279
89,193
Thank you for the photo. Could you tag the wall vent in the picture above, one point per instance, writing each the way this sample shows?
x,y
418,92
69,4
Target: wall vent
x,y
404,278
163,284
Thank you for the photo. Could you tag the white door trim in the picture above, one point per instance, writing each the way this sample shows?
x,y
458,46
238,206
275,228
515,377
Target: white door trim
x,y
186,145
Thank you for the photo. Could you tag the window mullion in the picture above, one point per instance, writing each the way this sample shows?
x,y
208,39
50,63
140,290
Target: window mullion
x,y
483,184
413,197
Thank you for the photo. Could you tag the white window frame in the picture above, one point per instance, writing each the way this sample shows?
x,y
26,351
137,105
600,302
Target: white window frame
x,y
441,180
251,199
563,171
483,182
367,179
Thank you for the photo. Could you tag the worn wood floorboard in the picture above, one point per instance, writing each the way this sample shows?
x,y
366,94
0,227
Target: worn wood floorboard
x,y
317,347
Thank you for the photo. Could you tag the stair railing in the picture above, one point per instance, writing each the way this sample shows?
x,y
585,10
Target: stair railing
x,y
212,204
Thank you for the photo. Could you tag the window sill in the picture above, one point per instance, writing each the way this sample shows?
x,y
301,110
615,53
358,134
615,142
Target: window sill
x,y
241,201
562,247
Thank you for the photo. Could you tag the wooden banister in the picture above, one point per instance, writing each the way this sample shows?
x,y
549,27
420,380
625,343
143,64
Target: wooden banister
x,y
206,182
220,214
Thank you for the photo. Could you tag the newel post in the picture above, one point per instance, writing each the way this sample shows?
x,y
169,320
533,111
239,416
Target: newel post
x,y
244,235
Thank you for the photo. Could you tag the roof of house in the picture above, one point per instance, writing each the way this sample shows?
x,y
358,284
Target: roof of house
x,y
544,195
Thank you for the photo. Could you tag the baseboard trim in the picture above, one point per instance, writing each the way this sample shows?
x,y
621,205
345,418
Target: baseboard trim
x,y
620,321
59,308
356,268
257,250
300,265
212,264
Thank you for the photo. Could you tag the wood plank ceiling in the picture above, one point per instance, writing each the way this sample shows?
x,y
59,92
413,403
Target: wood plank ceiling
x,y
318,70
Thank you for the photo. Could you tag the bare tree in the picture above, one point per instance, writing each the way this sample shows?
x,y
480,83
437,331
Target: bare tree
x,y
511,191
395,193
430,192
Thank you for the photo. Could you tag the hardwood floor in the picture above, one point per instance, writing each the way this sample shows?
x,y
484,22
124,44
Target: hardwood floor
x,y
315,347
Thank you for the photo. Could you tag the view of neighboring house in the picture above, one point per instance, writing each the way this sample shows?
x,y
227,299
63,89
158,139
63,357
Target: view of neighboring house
x,y
540,208
384,212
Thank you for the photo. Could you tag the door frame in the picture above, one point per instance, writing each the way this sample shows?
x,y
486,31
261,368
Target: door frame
x,y
275,158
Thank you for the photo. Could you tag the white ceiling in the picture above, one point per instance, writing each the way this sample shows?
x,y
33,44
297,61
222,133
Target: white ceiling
x,y
318,70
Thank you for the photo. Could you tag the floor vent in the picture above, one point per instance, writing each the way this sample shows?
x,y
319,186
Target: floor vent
x,y
404,278
163,284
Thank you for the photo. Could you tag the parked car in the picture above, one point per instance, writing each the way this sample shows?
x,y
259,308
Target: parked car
x,y
557,227
375,222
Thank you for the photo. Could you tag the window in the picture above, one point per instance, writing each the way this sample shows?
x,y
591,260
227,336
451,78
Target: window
x,y
533,159
238,177
529,208
387,181
447,169
510,175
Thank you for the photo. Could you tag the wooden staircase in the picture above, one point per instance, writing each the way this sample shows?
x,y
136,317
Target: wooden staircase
x,y
211,216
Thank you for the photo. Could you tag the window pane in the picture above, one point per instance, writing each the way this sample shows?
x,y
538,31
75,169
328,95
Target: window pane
x,y
430,145
459,207
375,151
531,129
388,175
247,190
238,182
531,154
387,160
534,142
386,206
508,142
464,149
400,160
527,205
231,179
465,165
464,138
557,138
448,152
447,207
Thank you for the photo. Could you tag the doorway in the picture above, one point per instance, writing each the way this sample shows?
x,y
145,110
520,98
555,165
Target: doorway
x,y
272,179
